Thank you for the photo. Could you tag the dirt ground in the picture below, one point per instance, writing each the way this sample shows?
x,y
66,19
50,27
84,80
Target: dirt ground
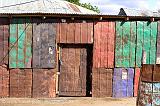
x,y
68,101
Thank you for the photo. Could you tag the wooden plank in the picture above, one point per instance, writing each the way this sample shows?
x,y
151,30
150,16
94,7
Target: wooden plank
x,y
63,32
20,82
90,32
44,83
130,81
139,47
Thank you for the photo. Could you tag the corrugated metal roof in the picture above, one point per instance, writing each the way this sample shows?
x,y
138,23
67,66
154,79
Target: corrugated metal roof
x,y
41,6
136,12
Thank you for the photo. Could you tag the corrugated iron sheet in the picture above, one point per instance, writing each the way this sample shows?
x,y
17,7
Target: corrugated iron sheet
x,y
44,43
136,80
104,39
123,82
44,83
4,34
41,6
4,81
75,32
158,45
21,83
102,82
125,44
20,54
146,43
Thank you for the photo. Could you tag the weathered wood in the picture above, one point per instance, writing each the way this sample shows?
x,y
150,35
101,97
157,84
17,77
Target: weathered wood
x,y
20,43
72,81
44,47
4,81
102,82
147,71
103,52
158,45
21,83
44,83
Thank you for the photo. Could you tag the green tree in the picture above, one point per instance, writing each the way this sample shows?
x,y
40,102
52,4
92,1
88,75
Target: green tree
x,y
85,5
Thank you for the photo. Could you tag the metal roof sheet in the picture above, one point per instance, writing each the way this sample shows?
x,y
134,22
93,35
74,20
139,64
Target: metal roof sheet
x,y
41,6
137,12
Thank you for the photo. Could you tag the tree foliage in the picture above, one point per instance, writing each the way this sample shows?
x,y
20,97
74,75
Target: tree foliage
x,y
85,5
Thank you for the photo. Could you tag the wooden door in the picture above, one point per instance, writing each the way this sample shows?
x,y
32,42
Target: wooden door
x,y
73,70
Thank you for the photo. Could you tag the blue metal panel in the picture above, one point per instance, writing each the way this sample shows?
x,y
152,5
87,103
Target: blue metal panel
x,y
123,82
156,94
130,82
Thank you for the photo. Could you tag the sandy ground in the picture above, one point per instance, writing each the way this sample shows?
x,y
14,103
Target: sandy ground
x,y
68,101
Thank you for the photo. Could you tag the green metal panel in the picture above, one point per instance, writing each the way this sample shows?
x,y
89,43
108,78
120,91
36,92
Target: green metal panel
x,y
154,27
13,39
125,44
133,44
146,43
119,49
20,43
139,47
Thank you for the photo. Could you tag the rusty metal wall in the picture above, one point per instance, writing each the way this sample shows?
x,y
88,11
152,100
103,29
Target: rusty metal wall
x,y
75,32
104,39
4,81
20,83
102,82
4,34
44,83
44,43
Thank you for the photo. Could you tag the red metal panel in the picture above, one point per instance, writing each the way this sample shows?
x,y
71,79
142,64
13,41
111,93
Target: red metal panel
x,y
4,81
104,39
20,82
70,33
136,80
4,33
44,83
84,35
63,32
75,32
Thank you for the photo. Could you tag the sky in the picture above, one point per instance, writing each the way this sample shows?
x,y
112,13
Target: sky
x,y
113,6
